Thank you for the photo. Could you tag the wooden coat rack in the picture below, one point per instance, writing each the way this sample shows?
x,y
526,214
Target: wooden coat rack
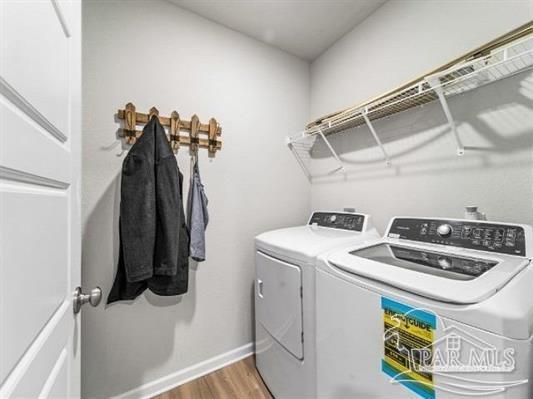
x,y
176,126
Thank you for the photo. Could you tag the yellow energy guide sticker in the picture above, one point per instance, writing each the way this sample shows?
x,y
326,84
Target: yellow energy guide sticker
x,y
408,346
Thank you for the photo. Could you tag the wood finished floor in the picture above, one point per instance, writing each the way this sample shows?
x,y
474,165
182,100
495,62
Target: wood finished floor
x,y
237,381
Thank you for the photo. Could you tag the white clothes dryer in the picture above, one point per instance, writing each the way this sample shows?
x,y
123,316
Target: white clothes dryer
x,y
438,308
285,297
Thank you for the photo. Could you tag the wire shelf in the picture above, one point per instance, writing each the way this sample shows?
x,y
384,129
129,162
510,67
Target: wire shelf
x,y
506,62
502,62
308,147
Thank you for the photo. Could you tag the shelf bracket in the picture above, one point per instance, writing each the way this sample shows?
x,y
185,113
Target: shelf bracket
x,y
341,165
302,136
434,83
289,141
376,137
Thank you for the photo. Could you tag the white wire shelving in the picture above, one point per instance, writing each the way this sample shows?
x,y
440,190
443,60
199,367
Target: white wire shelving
x,y
500,63
303,145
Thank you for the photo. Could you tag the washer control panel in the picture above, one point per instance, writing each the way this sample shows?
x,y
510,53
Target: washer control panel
x,y
486,236
344,221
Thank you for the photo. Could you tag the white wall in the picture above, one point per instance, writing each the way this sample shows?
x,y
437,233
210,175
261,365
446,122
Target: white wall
x,y
154,53
398,42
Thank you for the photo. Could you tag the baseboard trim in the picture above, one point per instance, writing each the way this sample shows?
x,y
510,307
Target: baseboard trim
x,y
190,373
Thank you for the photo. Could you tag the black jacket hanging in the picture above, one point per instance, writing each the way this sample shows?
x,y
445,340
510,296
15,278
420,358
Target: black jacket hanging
x,y
154,240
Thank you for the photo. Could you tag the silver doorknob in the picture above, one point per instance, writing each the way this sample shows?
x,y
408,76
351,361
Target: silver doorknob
x,y
80,298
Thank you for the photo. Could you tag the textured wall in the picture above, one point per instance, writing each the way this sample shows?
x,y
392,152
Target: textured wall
x,y
154,53
400,41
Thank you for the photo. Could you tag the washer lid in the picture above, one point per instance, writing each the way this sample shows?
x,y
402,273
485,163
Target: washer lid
x,y
449,276
304,243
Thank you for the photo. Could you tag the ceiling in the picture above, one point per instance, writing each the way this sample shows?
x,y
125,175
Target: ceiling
x,y
305,28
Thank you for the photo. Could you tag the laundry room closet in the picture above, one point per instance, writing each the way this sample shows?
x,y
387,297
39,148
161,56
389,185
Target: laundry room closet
x,y
241,97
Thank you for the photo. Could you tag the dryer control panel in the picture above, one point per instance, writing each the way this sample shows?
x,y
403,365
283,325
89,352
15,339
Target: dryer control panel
x,y
484,236
338,220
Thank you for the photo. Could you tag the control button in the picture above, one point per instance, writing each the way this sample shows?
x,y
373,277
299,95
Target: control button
x,y
444,262
467,232
488,234
333,218
444,230
498,236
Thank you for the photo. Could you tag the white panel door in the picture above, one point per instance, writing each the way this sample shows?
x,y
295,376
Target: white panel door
x,y
40,67
278,301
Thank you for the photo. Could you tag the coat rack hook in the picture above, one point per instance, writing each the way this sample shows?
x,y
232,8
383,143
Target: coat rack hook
x,y
195,125
153,111
213,127
174,131
130,122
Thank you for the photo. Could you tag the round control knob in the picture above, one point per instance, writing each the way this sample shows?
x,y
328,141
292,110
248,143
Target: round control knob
x,y
333,218
444,230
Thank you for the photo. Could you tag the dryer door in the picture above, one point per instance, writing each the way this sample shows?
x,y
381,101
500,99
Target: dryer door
x,y
278,301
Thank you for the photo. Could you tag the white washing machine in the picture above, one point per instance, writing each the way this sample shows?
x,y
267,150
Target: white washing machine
x,y
285,297
438,308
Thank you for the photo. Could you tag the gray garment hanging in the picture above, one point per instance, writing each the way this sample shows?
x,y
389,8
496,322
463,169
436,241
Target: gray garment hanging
x,y
197,215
